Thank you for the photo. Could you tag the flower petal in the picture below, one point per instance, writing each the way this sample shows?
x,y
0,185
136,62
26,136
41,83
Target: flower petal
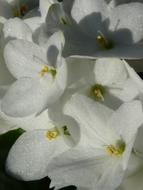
x,y
89,114
127,119
133,182
30,156
24,59
25,97
122,19
5,9
44,6
110,71
16,29
90,15
42,121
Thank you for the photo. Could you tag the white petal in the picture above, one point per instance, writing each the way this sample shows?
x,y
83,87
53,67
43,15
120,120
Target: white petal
x,y
133,75
5,9
73,163
42,121
54,48
5,126
127,92
133,182
24,59
127,28
34,23
127,119
92,118
25,97
16,28
30,156
44,7
90,15
110,71
5,76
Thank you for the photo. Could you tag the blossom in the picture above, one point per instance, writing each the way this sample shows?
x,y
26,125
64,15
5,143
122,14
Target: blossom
x,y
111,81
31,155
106,141
95,29
40,81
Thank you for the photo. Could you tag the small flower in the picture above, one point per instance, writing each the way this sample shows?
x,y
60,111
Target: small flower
x,y
99,30
40,81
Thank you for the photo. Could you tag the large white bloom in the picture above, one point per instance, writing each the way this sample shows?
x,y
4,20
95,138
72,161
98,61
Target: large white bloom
x,y
96,29
106,141
40,81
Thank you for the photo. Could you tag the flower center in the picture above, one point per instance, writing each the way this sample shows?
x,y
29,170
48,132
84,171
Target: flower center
x,y
103,42
97,92
52,134
117,150
55,132
46,70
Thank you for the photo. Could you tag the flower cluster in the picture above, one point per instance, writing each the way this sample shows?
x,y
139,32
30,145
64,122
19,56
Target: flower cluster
x,y
65,80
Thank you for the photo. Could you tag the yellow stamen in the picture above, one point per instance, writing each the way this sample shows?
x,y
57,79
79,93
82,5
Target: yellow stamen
x,y
52,134
102,42
46,70
115,150
97,92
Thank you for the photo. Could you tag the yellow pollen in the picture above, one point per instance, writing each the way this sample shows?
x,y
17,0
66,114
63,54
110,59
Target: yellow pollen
x,y
115,150
102,42
52,134
44,70
97,92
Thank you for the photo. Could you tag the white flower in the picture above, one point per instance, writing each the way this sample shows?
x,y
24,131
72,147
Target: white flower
x,y
96,30
40,81
111,81
31,155
106,139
